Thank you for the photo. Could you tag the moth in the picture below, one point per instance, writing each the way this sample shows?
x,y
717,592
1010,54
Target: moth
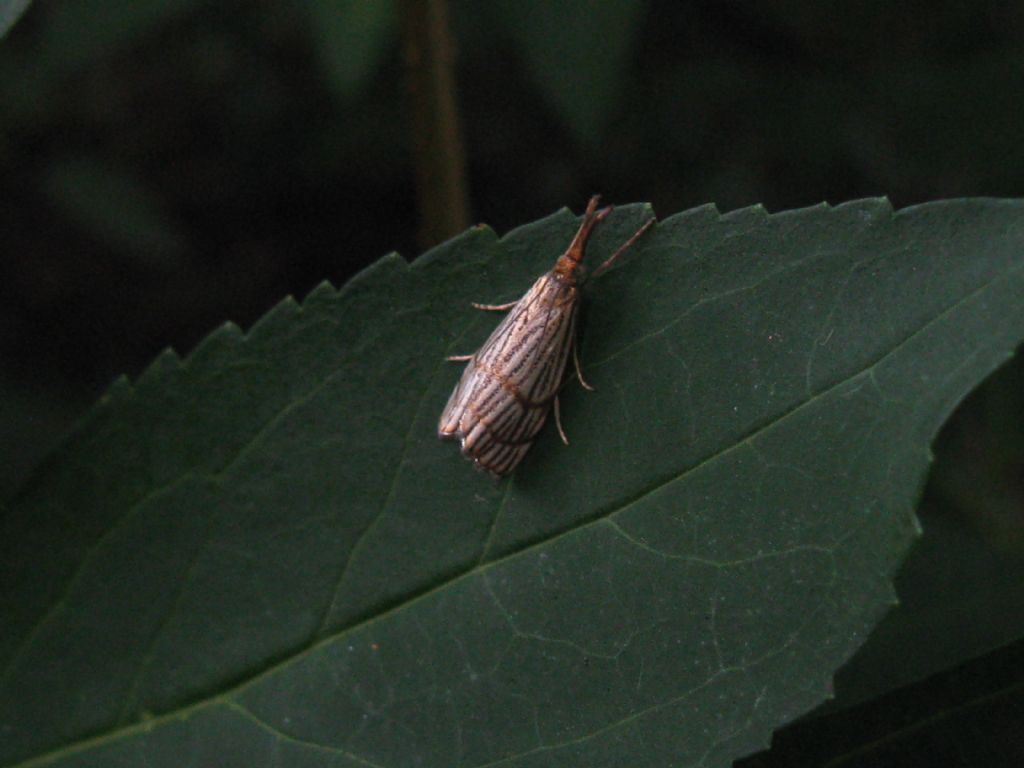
x,y
511,383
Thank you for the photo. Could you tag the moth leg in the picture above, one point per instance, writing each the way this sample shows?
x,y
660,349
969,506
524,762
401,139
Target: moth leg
x,y
489,307
579,371
558,422
622,248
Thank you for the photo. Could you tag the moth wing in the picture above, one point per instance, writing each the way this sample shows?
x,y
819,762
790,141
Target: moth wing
x,y
501,458
474,385
505,393
451,417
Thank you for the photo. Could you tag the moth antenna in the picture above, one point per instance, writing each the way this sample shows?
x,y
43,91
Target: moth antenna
x,y
623,248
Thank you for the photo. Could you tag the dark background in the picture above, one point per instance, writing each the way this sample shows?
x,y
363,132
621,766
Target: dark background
x,y
168,166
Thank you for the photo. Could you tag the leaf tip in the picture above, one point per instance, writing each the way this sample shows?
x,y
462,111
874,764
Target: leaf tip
x,y
121,387
325,289
168,360
477,238
756,211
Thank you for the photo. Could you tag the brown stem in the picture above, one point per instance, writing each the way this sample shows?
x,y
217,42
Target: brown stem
x,y
441,199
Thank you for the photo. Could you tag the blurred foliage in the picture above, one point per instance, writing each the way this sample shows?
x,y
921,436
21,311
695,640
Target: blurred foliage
x,y
967,716
10,12
577,55
351,37
169,164
963,584
254,148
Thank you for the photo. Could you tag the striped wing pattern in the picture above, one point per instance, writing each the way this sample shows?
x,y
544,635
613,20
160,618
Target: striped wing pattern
x,y
506,392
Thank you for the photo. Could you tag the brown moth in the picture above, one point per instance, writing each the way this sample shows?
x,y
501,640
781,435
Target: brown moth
x,y
511,382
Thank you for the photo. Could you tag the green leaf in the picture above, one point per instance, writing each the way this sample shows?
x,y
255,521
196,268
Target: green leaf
x,y
10,12
263,553
33,417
